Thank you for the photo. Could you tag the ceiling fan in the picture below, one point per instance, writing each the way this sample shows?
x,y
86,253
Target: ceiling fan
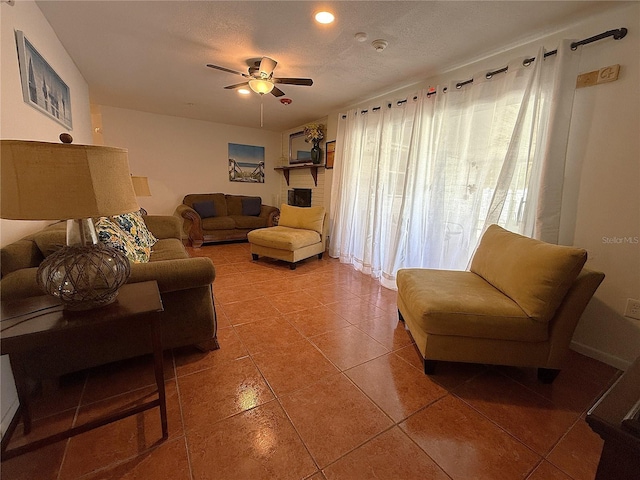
x,y
261,79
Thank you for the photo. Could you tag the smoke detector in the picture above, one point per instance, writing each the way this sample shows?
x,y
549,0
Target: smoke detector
x,y
379,44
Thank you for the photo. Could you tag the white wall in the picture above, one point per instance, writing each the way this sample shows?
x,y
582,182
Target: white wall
x,y
21,121
604,154
181,156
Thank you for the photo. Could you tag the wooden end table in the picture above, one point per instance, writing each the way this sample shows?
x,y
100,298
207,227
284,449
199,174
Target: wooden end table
x,y
28,324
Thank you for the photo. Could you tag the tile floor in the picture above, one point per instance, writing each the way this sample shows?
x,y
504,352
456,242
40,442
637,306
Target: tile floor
x,y
316,379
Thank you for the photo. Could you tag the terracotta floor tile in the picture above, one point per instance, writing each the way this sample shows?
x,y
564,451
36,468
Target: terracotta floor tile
x,y
286,303
260,443
269,335
293,368
225,269
277,287
356,311
42,428
333,293
221,391
119,377
167,460
248,311
121,440
41,464
333,417
411,355
58,395
348,347
317,476
239,293
578,453
384,299
387,330
395,386
314,321
466,445
532,419
190,359
546,471
389,456
575,387
453,374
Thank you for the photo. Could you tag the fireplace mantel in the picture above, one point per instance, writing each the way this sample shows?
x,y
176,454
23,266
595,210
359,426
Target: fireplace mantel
x,y
313,169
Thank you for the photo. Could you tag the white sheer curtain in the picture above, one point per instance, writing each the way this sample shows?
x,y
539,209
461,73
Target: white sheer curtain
x,y
416,183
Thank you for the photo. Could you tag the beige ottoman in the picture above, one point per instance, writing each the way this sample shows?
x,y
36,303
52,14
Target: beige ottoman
x,y
301,233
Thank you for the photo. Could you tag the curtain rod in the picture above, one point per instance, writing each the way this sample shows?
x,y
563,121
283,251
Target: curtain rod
x,y
617,34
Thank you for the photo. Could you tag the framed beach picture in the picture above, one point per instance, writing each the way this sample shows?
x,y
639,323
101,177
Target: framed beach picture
x,y
330,147
42,87
246,163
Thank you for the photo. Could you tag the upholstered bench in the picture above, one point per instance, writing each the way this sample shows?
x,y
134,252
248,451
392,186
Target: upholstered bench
x,y
300,233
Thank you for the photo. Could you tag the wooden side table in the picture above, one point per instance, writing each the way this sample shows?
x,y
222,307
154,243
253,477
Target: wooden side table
x,y
31,323
616,418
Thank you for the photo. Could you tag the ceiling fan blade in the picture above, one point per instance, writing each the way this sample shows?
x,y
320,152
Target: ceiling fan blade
x,y
266,66
228,70
294,81
237,85
276,92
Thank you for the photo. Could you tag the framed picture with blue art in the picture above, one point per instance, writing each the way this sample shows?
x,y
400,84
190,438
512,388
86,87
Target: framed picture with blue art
x,y
246,163
42,87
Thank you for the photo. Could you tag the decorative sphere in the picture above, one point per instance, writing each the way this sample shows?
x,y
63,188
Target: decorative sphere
x,y
66,138
84,277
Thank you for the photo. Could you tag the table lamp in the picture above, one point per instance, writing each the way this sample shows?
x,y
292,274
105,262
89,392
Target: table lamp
x,y
141,187
50,181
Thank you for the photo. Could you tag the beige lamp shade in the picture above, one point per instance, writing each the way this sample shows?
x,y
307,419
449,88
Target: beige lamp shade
x,y
141,186
54,181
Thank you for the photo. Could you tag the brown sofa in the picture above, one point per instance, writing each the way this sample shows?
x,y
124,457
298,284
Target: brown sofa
x,y
185,286
230,218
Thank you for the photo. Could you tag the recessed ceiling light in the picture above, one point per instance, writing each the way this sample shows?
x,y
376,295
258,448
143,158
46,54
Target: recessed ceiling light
x,y
325,17
244,91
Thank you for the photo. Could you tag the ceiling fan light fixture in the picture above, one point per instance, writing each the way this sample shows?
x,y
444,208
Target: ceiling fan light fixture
x,y
261,86
324,17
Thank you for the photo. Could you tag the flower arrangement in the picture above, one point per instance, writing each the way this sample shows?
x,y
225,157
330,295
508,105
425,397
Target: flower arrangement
x,y
314,132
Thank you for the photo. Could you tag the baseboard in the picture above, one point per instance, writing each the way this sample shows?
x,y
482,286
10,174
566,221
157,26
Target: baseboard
x,y
8,415
607,358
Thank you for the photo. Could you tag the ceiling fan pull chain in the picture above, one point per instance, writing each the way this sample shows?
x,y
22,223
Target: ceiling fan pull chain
x,y
261,111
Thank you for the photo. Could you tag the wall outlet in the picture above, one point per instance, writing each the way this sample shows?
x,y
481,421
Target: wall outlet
x,y
633,309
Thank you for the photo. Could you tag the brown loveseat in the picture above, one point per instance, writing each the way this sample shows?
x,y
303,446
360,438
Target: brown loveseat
x,y
223,217
185,286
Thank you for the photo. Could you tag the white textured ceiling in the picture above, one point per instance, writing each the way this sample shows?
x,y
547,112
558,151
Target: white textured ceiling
x,y
151,56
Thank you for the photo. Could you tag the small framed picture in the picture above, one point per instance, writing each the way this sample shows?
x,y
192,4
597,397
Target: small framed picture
x,y
330,147
42,87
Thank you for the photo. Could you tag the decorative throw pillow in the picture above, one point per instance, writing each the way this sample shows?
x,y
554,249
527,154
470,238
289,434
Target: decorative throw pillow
x,y
112,235
205,209
134,225
251,206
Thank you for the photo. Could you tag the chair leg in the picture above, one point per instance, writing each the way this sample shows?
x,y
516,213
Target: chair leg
x,y
429,366
547,375
254,256
292,266
400,317
320,255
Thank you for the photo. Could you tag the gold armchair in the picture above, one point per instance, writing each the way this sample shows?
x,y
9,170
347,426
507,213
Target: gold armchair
x,y
518,305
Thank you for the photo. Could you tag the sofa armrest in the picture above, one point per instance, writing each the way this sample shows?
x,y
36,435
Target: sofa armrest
x,y
270,213
174,275
164,226
191,224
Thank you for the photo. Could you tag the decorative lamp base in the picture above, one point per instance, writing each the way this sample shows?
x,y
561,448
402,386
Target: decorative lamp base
x,y
84,277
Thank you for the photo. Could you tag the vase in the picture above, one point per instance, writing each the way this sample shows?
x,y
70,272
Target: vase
x,y
316,154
